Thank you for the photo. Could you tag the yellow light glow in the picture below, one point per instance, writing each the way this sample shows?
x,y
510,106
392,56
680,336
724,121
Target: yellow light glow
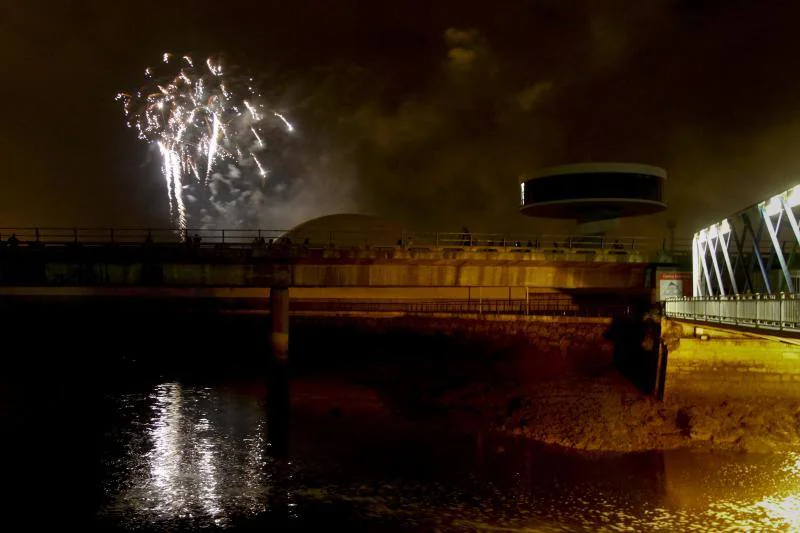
x,y
784,511
793,196
773,206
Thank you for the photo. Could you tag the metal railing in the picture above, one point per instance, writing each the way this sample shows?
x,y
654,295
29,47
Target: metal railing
x,y
779,312
531,307
555,243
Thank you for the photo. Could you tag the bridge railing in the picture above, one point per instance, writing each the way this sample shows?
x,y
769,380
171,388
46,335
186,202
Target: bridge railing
x,y
553,243
532,307
778,312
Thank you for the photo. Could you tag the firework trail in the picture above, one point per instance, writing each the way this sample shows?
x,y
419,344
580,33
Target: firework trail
x,y
214,134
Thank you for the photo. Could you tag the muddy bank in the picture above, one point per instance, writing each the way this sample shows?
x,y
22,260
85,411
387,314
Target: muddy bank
x,y
598,414
606,413
556,382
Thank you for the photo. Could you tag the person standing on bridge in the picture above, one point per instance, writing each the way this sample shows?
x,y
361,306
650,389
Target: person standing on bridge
x,y
466,236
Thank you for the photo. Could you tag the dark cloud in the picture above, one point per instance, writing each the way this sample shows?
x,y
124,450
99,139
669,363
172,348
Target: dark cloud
x,y
428,111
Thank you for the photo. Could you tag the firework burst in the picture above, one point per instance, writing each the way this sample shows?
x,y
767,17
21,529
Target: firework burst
x,y
214,134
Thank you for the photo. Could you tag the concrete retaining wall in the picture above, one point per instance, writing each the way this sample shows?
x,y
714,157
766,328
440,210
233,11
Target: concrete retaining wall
x,y
463,274
718,363
532,347
444,273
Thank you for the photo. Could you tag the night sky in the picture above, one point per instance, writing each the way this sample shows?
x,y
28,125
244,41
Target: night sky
x,y
421,111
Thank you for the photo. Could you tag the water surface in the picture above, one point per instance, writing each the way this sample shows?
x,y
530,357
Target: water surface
x,y
191,456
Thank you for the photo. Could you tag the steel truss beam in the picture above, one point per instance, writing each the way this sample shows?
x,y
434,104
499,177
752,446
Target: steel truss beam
x,y
746,252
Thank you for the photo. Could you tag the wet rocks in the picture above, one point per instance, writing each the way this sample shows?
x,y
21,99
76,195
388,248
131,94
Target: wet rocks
x,y
607,414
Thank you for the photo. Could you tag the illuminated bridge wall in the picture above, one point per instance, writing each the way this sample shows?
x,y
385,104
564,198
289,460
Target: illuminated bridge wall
x,y
341,273
213,265
711,362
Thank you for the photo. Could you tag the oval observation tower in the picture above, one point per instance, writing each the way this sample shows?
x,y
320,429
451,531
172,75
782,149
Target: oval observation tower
x,y
591,193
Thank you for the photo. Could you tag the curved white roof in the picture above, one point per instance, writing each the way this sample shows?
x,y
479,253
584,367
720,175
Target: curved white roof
x,y
349,229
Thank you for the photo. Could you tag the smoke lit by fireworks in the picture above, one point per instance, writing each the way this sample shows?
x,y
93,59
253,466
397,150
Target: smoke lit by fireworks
x,y
216,138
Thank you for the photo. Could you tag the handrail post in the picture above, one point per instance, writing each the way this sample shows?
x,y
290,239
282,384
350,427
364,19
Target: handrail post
x,y
111,235
75,234
223,236
437,239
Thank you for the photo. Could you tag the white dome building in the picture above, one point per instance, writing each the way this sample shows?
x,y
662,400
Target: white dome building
x,y
347,230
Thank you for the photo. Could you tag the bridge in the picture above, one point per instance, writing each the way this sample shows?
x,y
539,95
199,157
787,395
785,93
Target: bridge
x,y
739,334
69,257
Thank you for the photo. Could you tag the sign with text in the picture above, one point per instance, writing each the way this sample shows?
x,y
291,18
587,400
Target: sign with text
x,y
673,284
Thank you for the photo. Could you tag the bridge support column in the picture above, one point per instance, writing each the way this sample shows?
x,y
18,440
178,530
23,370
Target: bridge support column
x,y
278,393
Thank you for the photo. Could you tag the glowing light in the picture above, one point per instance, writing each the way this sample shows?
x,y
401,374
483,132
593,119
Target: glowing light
x,y
261,170
286,122
715,231
773,206
195,118
793,196
522,193
167,455
786,510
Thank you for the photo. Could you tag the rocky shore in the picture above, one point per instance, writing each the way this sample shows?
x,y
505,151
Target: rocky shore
x,y
606,413
601,414
552,382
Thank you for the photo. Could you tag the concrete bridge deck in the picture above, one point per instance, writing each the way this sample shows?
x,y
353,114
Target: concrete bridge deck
x,y
310,272
616,265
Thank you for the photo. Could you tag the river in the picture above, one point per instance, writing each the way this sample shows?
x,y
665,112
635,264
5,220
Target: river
x,y
181,451
191,456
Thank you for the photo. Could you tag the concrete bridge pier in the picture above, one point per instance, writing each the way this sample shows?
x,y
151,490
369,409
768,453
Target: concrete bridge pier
x,y
278,393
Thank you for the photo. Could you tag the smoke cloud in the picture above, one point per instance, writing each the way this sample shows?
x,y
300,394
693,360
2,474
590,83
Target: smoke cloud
x,y
449,154
422,112
605,81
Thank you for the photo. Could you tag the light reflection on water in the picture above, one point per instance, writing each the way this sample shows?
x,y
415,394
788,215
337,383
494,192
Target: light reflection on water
x,y
196,455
